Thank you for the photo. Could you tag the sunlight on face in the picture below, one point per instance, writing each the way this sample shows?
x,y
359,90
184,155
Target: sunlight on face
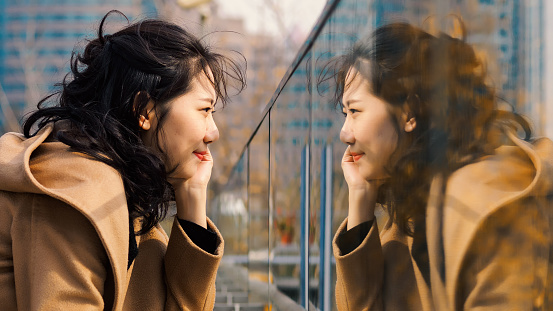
x,y
188,128
368,129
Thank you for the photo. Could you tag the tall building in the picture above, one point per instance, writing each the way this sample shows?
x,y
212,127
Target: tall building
x,y
36,41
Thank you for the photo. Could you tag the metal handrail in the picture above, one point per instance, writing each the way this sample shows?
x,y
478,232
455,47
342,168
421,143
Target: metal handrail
x,y
329,8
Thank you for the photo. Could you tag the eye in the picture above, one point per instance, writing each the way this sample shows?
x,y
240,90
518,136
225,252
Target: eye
x,y
208,110
353,111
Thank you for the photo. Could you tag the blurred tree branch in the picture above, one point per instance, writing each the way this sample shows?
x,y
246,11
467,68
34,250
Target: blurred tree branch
x,y
11,124
28,56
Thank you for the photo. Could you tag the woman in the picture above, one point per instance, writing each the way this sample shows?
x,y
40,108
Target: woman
x,y
470,215
83,190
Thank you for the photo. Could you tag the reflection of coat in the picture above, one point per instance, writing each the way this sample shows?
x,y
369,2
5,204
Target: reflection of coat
x,y
64,239
489,247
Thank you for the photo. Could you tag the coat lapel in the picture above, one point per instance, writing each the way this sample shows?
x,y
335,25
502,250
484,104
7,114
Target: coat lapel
x,y
91,187
472,194
434,228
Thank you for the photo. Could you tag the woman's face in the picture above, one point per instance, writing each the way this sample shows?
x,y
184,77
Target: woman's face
x,y
188,128
368,129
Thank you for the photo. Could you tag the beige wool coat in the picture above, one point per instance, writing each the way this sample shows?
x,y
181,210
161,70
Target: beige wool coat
x,y
488,239
64,239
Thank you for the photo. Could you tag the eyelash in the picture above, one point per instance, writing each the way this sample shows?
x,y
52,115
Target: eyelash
x,y
350,110
208,109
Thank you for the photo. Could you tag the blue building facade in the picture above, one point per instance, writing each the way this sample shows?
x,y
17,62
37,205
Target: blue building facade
x,y
37,38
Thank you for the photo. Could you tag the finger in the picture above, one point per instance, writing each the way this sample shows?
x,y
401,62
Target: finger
x,y
347,156
207,157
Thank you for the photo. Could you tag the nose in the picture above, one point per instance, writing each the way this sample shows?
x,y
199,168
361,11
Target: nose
x,y
346,134
211,132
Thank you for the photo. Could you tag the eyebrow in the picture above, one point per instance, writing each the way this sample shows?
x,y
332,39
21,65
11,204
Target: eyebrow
x,y
208,99
351,101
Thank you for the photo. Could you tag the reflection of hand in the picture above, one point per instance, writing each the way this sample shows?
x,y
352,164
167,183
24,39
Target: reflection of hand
x,y
362,192
351,172
191,194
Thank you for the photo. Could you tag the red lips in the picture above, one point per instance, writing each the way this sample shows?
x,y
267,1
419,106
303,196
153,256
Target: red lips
x,y
200,154
356,156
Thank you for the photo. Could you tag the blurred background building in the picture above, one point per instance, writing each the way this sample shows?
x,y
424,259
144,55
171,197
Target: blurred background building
x,y
36,40
38,36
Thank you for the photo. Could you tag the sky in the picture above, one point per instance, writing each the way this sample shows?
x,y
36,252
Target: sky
x,y
297,15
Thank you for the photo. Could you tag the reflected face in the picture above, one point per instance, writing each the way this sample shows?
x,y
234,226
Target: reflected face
x,y
188,128
369,128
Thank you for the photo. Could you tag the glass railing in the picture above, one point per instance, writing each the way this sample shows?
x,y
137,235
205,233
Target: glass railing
x,y
286,196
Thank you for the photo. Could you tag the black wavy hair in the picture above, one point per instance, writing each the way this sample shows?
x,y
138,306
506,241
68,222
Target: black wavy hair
x,y
109,86
440,82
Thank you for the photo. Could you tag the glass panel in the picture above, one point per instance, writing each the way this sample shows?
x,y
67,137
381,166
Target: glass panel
x,y
328,188
229,210
305,197
241,212
258,206
290,120
506,36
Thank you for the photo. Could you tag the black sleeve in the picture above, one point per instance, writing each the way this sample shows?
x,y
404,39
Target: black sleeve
x,y
202,237
350,240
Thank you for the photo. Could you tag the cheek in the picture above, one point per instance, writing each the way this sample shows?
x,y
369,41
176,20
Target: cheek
x,y
175,135
382,135
388,140
187,135
379,141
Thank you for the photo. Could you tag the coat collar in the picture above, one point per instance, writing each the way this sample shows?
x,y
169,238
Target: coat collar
x,y
91,187
473,193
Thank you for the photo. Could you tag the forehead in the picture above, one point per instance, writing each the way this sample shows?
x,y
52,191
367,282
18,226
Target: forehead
x,y
356,84
201,84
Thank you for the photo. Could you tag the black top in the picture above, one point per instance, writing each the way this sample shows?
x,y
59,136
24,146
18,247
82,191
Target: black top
x,y
351,239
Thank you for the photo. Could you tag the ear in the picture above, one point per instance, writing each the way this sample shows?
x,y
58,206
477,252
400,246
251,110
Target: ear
x,y
410,124
144,122
144,119
408,119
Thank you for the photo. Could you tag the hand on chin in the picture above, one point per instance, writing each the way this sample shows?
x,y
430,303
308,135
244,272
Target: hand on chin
x,y
195,175
360,173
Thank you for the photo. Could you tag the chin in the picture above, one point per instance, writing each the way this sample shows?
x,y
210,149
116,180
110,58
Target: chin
x,y
184,173
367,174
188,174
372,175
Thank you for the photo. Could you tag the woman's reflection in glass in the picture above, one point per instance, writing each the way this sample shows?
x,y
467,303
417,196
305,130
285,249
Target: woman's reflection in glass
x,y
469,221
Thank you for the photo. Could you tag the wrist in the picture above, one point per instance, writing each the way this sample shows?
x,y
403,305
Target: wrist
x,y
362,204
191,204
